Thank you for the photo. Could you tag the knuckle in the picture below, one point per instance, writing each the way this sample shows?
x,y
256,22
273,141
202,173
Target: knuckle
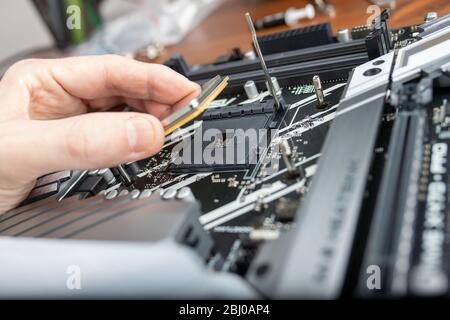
x,y
22,66
108,76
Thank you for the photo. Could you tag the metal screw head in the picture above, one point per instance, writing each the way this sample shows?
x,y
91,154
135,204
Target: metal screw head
x,y
430,16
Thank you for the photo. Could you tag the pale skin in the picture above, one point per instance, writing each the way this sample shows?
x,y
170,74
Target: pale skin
x,y
50,117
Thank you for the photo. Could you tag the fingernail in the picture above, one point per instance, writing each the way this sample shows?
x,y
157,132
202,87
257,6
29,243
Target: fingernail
x,y
139,131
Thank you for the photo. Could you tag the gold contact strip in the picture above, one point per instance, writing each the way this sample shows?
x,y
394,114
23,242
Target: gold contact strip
x,y
199,109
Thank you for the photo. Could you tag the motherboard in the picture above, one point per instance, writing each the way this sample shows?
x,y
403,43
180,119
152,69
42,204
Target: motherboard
x,y
327,179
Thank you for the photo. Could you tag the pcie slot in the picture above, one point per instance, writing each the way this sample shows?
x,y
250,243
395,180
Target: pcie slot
x,y
301,69
280,59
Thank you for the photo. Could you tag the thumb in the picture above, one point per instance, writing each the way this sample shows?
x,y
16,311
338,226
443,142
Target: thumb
x,y
94,140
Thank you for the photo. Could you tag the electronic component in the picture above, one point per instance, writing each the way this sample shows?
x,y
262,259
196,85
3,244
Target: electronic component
x,y
295,39
235,55
360,32
93,184
232,125
43,192
210,91
285,209
288,62
108,175
53,177
127,180
379,41
344,35
48,185
177,63
251,90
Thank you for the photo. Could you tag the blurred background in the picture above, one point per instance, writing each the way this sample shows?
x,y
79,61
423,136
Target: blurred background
x,y
152,30
96,26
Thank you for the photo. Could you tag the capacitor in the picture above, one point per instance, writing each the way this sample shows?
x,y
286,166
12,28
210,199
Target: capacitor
x,y
251,90
133,168
276,85
250,55
343,35
112,194
107,175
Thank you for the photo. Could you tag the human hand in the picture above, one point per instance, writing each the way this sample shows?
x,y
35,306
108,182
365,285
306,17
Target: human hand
x,y
47,121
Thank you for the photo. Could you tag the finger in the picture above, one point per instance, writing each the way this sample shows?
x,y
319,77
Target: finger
x,y
66,87
104,103
105,76
94,140
159,110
